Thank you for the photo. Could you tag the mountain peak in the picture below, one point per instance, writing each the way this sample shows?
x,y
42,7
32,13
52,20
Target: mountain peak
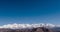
x,y
19,26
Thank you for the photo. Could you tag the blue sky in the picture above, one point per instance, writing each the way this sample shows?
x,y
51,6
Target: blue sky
x,y
29,11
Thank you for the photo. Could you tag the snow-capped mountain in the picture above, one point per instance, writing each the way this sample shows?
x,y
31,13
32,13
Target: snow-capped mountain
x,y
19,26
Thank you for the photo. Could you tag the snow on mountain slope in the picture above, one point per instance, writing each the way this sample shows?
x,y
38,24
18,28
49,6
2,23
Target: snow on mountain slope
x,y
19,26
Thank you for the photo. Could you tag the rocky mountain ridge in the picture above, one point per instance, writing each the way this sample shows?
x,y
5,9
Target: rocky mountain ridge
x,y
29,28
38,29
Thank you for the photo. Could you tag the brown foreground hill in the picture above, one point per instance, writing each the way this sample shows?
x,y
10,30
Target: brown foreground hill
x,y
39,29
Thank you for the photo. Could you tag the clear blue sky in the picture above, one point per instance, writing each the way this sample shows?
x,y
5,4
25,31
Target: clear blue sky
x,y
29,11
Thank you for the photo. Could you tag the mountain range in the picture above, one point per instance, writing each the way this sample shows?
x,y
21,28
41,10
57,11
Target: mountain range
x,y
30,28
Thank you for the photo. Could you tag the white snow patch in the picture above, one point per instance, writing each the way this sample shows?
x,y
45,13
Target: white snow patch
x,y
19,26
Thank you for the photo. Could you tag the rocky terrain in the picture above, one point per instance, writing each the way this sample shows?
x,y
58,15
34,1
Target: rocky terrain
x,y
39,29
